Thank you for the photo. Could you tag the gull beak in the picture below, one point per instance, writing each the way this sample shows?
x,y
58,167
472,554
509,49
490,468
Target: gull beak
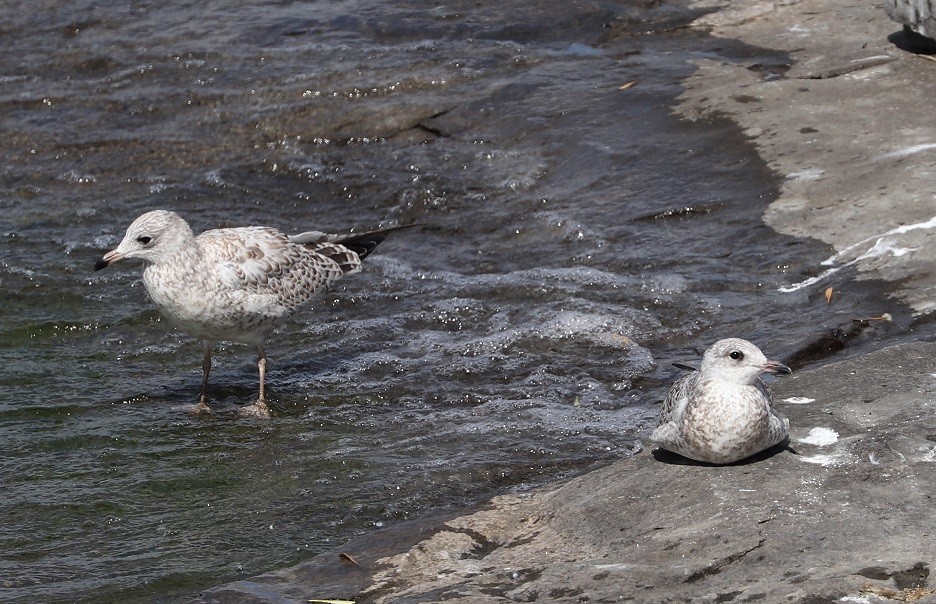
x,y
107,259
776,368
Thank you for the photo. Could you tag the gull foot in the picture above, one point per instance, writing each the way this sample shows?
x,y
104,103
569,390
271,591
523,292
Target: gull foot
x,y
258,410
200,410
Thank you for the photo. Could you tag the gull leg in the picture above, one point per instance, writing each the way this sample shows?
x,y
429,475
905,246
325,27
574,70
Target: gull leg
x,y
259,409
202,407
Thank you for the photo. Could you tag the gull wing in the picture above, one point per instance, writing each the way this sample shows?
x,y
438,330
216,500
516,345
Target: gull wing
x,y
677,398
361,244
263,261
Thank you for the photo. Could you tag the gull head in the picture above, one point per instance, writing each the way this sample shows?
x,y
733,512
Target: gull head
x,y
152,236
738,361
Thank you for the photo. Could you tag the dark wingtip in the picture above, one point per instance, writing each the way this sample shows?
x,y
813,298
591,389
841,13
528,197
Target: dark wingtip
x,y
363,246
101,263
364,243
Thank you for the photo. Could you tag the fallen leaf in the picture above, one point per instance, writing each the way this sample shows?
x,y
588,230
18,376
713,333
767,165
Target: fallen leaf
x,y
627,85
348,558
828,296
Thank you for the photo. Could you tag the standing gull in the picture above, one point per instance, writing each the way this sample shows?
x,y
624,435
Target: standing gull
x,y
723,413
236,284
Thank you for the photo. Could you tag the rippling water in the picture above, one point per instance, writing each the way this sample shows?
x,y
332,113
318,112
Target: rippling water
x,y
577,240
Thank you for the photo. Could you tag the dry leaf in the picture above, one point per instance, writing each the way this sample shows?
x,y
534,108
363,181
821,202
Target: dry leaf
x,y
828,296
348,558
627,85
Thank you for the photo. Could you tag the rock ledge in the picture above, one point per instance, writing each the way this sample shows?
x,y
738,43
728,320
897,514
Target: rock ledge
x,y
844,514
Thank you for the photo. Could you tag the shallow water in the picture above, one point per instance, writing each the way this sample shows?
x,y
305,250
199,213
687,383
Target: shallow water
x,y
577,239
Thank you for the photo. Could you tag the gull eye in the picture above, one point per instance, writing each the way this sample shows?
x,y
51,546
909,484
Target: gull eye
x,y
144,239
737,355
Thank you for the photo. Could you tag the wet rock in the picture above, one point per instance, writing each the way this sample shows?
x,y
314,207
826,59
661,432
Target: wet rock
x,y
918,15
855,183
845,511
363,121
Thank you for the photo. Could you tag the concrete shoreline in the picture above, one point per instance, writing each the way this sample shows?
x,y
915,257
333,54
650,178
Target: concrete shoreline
x,y
844,514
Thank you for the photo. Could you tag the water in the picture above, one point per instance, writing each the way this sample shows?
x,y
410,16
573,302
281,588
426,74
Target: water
x,y
577,240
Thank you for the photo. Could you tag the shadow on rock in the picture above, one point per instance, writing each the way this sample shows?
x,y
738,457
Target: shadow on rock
x,y
909,40
668,457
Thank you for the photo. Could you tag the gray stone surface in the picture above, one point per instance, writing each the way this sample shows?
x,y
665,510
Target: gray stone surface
x,y
849,126
918,15
843,514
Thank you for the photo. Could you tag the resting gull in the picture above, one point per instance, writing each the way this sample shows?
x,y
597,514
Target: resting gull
x,y
236,284
723,412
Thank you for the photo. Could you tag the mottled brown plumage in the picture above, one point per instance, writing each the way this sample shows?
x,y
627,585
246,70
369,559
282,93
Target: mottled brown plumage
x,y
236,284
724,412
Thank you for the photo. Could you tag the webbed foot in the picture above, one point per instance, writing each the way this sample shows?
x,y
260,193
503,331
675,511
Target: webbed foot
x,y
258,410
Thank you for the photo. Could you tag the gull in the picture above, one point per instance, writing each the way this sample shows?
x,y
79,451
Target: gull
x,y
724,412
236,284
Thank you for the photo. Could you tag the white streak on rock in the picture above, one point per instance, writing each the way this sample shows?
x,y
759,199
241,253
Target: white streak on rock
x,y
820,437
799,400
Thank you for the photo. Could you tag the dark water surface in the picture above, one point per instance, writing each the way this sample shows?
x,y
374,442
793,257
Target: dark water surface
x,y
578,239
